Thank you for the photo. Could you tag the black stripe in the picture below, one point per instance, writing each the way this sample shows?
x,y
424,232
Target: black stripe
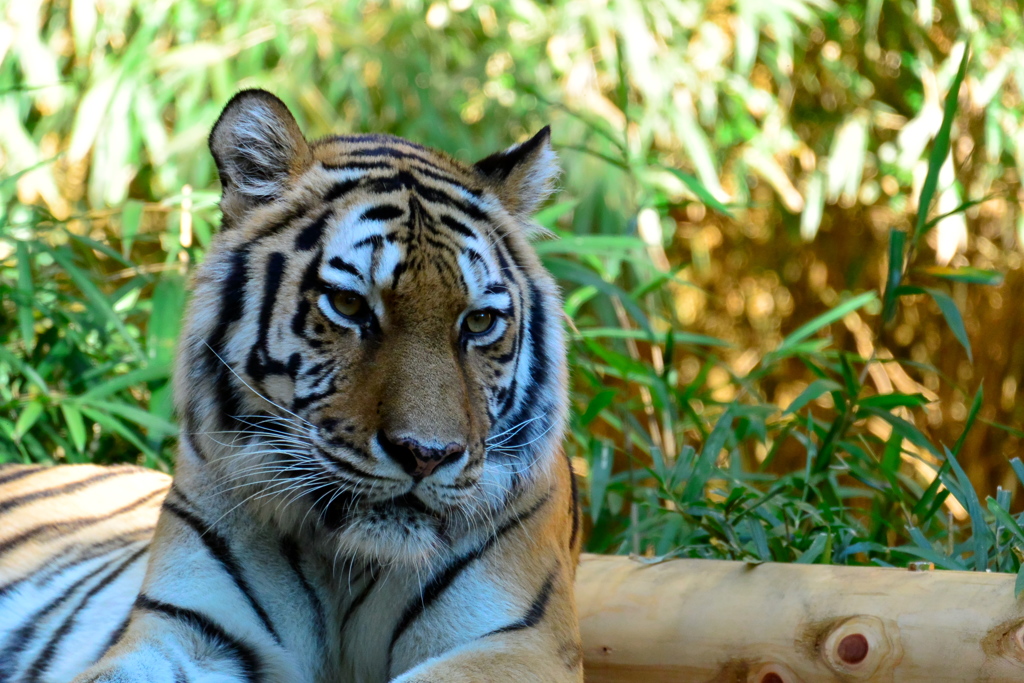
x,y
90,552
341,189
260,362
339,263
457,225
116,634
22,638
440,582
245,655
68,526
539,373
291,552
384,212
42,662
232,308
356,603
18,472
425,165
54,567
63,489
536,611
310,235
221,551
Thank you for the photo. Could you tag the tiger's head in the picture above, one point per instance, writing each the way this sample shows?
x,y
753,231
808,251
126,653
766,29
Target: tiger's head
x,y
373,351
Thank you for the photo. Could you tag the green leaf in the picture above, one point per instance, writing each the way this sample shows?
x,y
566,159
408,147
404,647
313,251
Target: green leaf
x,y
1018,584
601,462
940,148
815,550
579,245
897,242
548,216
165,320
1005,518
112,424
702,469
152,373
826,319
573,272
814,390
894,400
697,188
905,429
953,318
963,491
26,292
975,276
156,425
972,415
84,282
689,338
30,373
597,404
30,414
75,423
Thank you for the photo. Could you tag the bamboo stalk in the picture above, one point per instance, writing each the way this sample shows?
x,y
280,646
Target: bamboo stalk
x,y
710,620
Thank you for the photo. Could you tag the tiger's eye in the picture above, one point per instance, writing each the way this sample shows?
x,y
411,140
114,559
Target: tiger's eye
x,y
348,304
479,322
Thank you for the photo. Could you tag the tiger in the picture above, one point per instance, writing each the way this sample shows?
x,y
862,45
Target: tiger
x,y
372,390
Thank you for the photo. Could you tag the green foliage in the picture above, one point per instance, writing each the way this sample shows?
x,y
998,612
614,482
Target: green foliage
x,y
660,113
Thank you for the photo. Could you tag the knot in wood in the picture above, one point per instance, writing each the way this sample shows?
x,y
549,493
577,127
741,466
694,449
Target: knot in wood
x,y
853,648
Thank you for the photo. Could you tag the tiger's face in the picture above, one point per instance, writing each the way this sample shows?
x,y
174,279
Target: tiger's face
x,y
373,350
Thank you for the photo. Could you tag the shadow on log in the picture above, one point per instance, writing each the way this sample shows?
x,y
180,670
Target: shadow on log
x,y
710,620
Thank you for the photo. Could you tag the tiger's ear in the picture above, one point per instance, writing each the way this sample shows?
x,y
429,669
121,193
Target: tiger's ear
x,y
523,175
258,148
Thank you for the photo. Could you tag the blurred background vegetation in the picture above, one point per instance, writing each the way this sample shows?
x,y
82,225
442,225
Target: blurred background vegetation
x,y
778,351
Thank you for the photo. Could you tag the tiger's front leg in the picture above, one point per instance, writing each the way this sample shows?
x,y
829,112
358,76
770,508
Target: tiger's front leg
x,y
527,654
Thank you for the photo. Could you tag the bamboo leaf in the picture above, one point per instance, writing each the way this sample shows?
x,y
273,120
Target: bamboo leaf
x,y
940,148
26,292
813,391
75,423
826,319
28,417
953,318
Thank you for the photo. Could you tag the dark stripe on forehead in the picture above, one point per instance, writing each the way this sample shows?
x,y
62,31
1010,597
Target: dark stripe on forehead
x,y
457,226
425,165
311,234
339,263
384,212
402,179
380,138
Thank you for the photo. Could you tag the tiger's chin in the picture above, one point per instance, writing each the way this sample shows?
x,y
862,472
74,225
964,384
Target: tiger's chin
x,y
398,531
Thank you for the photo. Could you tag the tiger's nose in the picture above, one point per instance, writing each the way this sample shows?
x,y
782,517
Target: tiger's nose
x,y
418,459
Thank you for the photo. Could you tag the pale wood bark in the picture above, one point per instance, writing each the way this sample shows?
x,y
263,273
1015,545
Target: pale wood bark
x,y
709,620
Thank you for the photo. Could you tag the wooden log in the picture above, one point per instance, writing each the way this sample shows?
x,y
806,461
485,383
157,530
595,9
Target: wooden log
x,y
709,620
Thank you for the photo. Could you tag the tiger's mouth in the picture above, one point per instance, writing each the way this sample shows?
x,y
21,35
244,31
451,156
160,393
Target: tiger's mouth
x,y
341,509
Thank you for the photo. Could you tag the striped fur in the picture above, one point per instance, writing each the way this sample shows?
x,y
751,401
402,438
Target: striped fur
x,y
368,487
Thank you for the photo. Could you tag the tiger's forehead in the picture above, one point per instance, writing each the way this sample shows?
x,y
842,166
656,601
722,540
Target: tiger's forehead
x,y
377,151
398,215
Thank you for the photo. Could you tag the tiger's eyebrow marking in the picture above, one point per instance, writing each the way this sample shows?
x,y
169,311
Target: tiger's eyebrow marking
x,y
496,288
339,263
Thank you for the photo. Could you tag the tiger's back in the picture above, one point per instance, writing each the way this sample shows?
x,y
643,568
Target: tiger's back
x,y
74,541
